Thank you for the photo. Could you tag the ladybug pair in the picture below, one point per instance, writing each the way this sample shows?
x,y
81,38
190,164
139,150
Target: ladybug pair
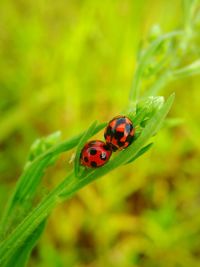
x,y
118,134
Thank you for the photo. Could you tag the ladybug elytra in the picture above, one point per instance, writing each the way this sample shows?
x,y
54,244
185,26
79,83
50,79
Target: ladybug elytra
x,y
95,154
119,133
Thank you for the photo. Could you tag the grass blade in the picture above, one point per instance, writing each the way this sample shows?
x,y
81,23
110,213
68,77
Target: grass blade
x,y
141,152
21,256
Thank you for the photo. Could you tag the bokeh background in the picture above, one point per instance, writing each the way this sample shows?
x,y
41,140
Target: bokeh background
x,y
64,64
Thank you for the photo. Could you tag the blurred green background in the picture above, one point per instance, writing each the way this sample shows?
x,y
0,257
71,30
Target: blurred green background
x,y
64,64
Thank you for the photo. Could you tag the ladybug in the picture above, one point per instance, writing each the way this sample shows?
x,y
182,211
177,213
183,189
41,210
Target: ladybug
x,y
95,154
119,133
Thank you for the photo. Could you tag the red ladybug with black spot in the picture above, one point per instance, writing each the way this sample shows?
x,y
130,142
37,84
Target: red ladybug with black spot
x,y
95,154
119,133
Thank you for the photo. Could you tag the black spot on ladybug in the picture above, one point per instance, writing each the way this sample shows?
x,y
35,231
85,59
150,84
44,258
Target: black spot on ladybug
x,y
120,144
86,159
106,147
103,156
93,151
129,139
108,131
93,164
113,147
119,135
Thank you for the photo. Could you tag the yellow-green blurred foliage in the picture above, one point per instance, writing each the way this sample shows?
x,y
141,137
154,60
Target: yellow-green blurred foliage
x,y
64,64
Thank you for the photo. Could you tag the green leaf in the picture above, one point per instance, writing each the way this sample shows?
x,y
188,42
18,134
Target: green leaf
x,y
140,153
159,84
192,69
43,144
150,105
20,201
21,256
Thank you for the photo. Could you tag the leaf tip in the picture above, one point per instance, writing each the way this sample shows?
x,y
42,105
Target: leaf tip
x,y
171,98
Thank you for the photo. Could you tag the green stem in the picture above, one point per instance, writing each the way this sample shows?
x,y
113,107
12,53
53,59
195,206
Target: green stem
x,y
189,70
30,223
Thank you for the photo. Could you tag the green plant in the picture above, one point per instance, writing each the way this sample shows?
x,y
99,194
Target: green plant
x,y
161,62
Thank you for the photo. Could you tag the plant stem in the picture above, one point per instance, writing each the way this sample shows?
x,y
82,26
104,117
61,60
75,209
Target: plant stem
x,y
23,230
